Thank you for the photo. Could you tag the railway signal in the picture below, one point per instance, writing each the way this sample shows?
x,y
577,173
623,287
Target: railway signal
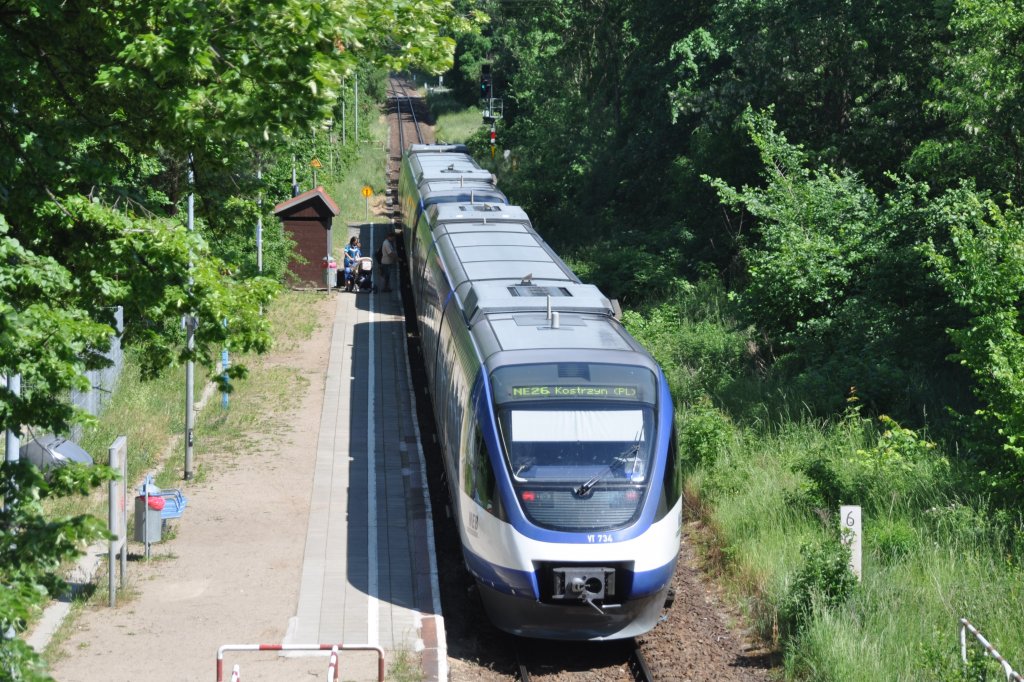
x,y
492,106
486,86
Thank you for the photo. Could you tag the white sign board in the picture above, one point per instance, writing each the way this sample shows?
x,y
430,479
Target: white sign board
x,y
849,523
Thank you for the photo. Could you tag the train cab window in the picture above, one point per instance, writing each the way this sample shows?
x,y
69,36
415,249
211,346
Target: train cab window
x,y
578,440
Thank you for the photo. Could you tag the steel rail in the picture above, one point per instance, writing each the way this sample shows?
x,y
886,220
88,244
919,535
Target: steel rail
x,y
398,93
398,117
638,665
522,673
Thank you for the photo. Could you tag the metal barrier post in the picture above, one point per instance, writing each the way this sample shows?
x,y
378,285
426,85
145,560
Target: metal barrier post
x,y
965,626
332,666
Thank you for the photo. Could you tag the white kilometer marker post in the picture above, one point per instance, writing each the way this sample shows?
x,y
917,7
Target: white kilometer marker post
x,y
849,523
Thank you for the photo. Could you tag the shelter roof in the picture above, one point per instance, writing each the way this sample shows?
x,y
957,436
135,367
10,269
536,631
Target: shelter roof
x,y
316,197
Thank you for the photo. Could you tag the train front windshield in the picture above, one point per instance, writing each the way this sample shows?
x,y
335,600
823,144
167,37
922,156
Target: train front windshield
x,y
578,439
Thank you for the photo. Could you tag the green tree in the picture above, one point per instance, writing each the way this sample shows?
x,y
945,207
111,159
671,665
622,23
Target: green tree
x,y
104,107
982,268
835,277
979,95
846,79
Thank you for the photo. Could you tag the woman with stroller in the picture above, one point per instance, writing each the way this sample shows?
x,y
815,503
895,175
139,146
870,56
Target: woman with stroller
x,y
352,255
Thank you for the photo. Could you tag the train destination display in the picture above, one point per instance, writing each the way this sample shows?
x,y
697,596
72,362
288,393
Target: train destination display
x,y
555,391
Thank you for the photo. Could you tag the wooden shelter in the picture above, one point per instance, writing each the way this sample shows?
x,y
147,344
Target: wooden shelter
x,y
307,218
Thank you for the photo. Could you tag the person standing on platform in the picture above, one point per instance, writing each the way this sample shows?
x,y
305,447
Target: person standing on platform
x,y
388,257
352,255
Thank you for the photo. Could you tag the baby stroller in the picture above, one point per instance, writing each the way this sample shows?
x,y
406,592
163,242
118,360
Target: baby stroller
x,y
362,277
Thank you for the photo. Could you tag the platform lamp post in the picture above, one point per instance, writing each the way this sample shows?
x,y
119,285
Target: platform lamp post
x,y
190,331
12,440
259,218
329,127
11,457
225,363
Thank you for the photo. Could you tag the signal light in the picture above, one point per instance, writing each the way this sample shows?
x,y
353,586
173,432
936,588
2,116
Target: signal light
x,y
485,81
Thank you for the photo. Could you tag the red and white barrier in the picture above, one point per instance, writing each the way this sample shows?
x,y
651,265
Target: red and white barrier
x,y
965,627
327,649
332,666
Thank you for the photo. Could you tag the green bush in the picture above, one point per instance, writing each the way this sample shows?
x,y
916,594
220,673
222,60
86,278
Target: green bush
x,y
823,581
891,540
900,467
704,433
699,348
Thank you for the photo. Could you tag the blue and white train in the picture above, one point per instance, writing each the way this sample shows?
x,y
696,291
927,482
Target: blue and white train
x,y
555,424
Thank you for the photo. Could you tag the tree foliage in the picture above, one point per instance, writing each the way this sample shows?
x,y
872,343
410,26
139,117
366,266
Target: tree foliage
x,y
851,173
983,270
803,153
106,110
978,95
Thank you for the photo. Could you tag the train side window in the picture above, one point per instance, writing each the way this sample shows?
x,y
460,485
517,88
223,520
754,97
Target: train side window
x,y
673,472
480,476
672,488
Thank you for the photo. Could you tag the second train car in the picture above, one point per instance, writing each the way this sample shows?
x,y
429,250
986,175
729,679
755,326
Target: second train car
x,y
556,426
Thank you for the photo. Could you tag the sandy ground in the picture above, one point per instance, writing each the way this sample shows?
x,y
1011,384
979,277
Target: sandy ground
x,y
230,572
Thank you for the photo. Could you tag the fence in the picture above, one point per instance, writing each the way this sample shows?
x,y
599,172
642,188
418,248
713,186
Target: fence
x,y
103,380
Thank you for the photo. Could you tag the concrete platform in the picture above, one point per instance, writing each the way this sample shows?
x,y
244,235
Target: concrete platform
x,y
369,572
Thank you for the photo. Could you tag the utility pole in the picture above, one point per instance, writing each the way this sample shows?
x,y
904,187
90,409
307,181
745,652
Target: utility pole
x,y
190,330
295,184
13,441
357,108
330,146
259,219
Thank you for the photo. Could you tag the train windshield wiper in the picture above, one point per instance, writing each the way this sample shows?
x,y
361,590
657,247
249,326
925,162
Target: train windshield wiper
x,y
631,454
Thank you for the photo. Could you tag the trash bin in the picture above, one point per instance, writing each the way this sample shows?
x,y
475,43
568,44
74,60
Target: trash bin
x,y
148,519
331,273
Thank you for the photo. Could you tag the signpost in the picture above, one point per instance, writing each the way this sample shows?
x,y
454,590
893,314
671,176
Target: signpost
x,y
367,193
849,521
316,165
117,517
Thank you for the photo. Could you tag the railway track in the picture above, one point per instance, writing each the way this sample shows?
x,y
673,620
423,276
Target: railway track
x,y
407,130
403,106
536,661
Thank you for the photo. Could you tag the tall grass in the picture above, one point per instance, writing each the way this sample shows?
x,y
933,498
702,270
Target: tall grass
x,y
368,167
454,122
923,567
766,481
150,414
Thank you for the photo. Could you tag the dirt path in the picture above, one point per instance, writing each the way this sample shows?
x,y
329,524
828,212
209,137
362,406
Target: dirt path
x,y
230,571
